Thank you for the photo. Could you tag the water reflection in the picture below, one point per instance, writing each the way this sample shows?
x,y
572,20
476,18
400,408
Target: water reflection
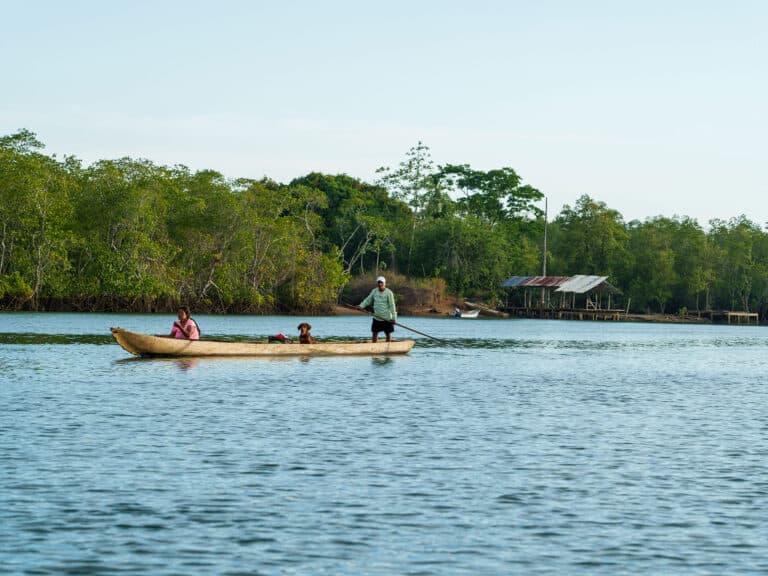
x,y
188,362
193,361
185,364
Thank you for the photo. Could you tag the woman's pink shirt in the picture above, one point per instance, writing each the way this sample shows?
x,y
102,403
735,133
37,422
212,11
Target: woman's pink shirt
x,y
190,324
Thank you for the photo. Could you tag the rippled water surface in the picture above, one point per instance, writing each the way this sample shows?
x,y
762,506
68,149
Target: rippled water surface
x,y
507,447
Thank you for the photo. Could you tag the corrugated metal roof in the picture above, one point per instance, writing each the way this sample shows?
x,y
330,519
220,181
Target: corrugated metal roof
x,y
513,281
534,281
578,284
545,281
582,283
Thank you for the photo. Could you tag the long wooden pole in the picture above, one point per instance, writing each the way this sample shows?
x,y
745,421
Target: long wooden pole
x,y
393,322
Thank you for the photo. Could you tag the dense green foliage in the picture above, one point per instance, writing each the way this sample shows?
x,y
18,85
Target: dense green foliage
x,y
665,264
131,235
127,234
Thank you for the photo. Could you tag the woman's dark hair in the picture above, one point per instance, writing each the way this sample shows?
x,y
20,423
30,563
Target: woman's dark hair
x,y
185,309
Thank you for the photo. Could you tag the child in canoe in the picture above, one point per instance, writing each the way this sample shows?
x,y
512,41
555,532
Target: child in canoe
x,y
185,326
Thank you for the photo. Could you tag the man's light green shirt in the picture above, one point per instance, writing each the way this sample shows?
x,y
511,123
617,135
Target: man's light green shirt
x,y
383,304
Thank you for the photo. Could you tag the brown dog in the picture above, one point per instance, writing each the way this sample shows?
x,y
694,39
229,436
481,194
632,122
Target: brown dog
x,y
304,335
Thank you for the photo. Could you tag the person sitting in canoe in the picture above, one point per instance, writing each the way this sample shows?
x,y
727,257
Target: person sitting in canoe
x,y
185,326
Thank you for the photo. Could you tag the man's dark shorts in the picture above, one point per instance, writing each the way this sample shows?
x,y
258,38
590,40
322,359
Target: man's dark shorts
x,y
382,326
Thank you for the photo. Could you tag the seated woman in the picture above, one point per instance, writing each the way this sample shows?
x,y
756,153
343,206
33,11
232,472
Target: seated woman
x,y
185,326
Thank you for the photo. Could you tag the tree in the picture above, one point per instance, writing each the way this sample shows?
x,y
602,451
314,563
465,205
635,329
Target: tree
x,y
35,214
360,220
738,267
414,182
653,275
125,252
591,239
494,196
449,248
694,262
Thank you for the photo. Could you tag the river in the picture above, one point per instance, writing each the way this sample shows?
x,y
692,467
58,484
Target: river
x,y
506,447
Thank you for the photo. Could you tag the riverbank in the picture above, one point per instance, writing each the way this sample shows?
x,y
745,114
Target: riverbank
x,y
446,310
441,307
665,318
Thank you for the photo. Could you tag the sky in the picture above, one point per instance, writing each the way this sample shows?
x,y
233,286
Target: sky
x,y
654,107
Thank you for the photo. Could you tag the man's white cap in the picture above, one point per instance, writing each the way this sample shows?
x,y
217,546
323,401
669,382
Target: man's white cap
x,y
381,279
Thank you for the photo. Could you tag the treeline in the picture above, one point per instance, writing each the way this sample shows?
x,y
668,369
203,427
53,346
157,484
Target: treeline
x,y
128,234
665,264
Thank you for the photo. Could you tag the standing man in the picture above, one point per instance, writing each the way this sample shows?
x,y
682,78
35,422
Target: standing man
x,y
384,311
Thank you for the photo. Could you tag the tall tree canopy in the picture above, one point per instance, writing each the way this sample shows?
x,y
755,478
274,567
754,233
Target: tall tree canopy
x,y
131,234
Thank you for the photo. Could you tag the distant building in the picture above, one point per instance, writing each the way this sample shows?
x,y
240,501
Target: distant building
x,y
564,292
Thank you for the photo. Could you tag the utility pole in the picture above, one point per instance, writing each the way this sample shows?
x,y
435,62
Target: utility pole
x,y
544,259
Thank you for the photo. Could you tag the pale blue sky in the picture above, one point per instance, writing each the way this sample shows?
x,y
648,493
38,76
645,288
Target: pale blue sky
x,y
654,107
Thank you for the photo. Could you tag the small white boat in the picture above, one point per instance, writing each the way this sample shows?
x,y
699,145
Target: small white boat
x,y
468,314
149,345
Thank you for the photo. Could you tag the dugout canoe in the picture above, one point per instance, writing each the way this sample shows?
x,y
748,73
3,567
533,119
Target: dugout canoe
x,y
147,345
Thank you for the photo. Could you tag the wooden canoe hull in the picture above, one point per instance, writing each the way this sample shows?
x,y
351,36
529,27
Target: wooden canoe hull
x,y
149,345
